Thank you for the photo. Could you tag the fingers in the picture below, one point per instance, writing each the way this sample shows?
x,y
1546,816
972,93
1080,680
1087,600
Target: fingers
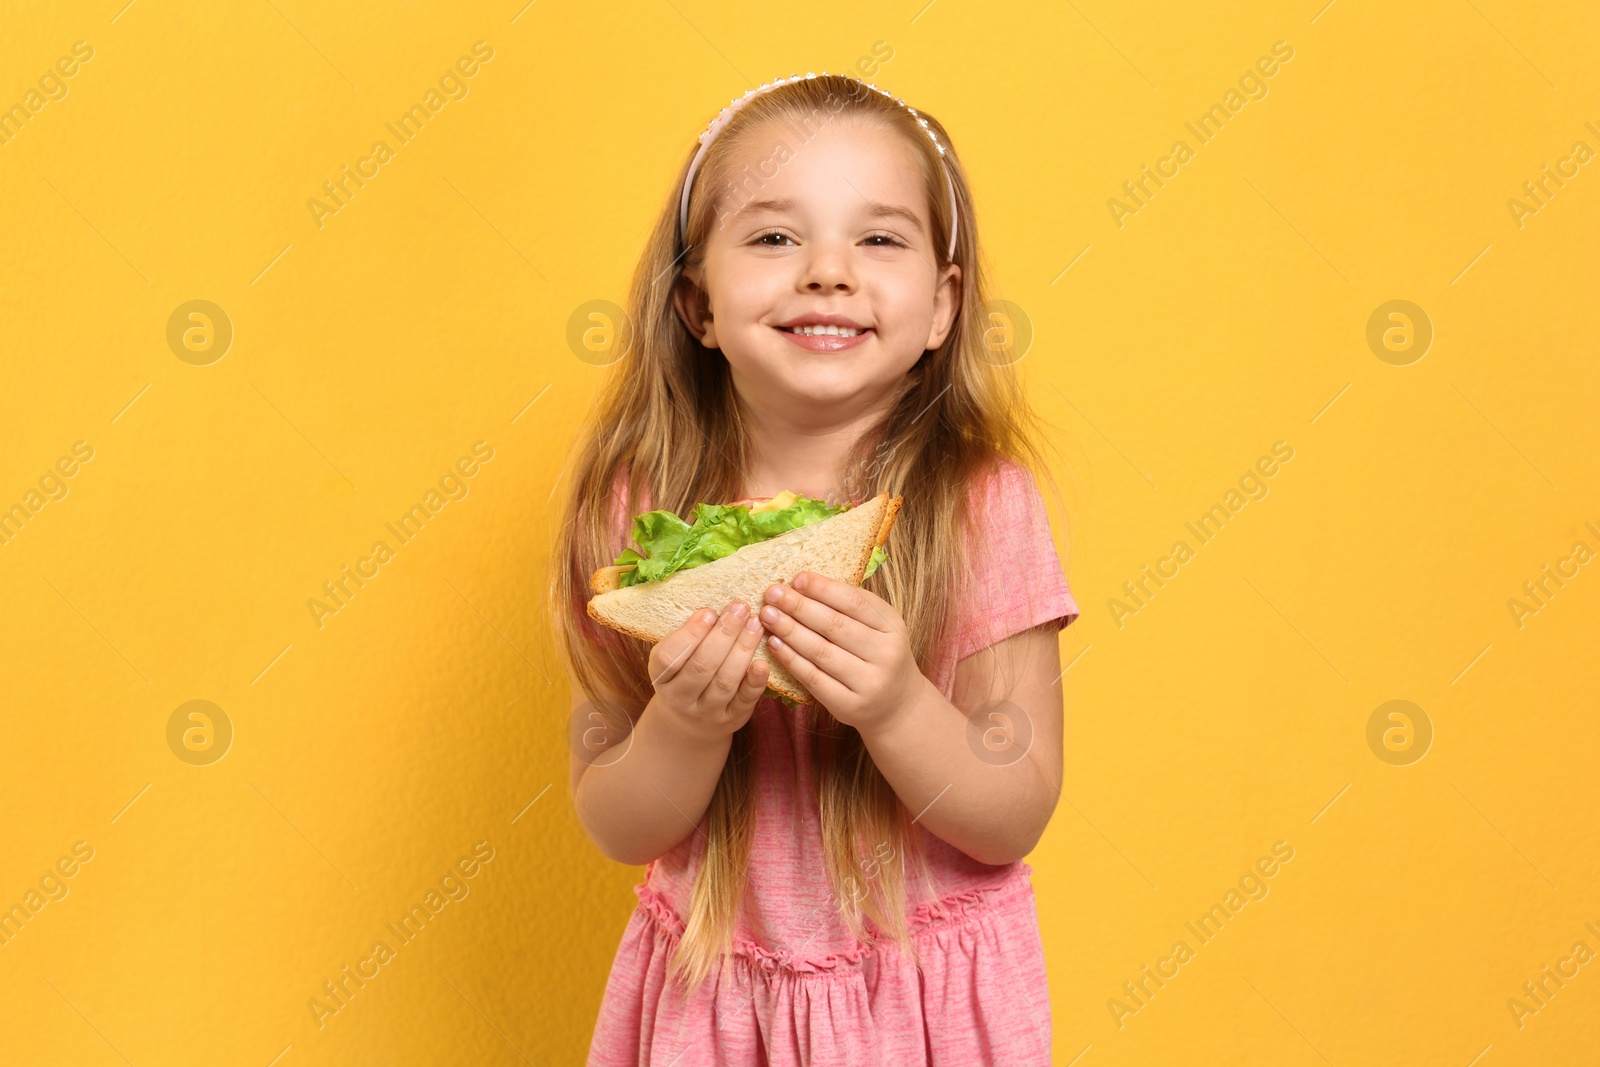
x,y
702,665
790,639
673,651
867,609
754,683
849,634
691,669
726,684
752,676
822,684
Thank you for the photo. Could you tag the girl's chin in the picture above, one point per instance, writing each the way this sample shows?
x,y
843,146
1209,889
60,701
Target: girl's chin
x,y
810,394
809,378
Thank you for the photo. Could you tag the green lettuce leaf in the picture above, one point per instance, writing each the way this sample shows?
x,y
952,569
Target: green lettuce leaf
x,y
803,512
670,544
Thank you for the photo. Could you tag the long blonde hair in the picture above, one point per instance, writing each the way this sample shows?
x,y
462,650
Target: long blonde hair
x,y
666,421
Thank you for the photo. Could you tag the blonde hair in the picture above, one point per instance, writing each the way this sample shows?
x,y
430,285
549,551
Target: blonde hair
x,y
666,421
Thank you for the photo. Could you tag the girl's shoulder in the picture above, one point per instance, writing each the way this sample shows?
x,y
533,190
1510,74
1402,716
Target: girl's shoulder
x,y
1015,578
1003,500
1000,473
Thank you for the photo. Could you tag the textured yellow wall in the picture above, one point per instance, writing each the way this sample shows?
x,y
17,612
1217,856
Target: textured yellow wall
x,y
349,363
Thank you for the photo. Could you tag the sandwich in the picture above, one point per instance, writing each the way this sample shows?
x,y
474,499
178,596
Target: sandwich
x,y
729,552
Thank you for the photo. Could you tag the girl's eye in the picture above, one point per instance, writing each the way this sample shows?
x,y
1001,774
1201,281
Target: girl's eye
x,y
762,240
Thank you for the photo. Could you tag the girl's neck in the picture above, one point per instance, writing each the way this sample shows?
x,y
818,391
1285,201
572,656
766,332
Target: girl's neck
x,y
809,460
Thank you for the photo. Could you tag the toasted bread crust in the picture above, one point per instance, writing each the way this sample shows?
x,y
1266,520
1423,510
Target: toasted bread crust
x,y
889,514
606,579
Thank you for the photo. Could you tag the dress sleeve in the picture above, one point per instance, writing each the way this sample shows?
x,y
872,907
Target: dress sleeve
x,y
1017,581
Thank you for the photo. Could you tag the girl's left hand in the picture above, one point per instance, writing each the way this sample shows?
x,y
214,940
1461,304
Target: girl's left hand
x,y
848,646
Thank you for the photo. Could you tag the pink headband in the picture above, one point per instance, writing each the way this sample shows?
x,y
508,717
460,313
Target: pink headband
x,y
726,114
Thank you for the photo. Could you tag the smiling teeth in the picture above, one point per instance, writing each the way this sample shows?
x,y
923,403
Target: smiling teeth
x,y
824,331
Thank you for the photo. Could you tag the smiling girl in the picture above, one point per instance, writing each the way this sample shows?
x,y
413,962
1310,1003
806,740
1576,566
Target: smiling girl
x,y
841,882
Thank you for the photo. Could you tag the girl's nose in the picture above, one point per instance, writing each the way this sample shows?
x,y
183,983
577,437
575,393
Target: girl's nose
x,y
829,268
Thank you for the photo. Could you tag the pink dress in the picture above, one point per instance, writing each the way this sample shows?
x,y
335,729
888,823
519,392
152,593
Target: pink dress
x,y
799,989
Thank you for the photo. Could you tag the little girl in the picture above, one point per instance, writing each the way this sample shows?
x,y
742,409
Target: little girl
x,y
840,882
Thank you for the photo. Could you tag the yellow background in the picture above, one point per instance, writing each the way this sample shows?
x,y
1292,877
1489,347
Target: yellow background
x,y
370,354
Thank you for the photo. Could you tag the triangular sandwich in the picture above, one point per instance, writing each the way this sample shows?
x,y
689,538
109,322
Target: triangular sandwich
x,y
840,547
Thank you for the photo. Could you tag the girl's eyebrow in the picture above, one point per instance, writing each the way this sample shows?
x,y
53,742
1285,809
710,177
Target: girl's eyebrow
x,y
874,209
880,211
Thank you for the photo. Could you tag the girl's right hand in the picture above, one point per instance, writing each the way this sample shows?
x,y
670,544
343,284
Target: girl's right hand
x,y
706,679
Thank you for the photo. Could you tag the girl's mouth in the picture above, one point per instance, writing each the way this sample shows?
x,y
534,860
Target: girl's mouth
x,y
825,339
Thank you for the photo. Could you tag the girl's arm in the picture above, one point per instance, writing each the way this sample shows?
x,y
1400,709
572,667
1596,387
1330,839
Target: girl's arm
x,y
639,795
987,788
638,806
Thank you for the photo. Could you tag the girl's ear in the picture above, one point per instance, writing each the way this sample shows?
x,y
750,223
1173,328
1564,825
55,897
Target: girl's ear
x,y
694,308
945,300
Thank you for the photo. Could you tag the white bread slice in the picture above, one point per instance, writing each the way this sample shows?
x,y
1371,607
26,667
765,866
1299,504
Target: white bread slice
x,y
839,547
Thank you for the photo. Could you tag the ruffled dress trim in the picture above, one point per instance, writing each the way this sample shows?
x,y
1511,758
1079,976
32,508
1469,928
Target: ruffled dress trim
x,y
927,917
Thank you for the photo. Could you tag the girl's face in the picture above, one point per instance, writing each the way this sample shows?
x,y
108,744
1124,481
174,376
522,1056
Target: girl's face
x,y
836,225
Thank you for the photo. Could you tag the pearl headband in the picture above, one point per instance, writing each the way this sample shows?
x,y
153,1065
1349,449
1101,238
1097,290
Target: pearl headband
x,y
726,114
